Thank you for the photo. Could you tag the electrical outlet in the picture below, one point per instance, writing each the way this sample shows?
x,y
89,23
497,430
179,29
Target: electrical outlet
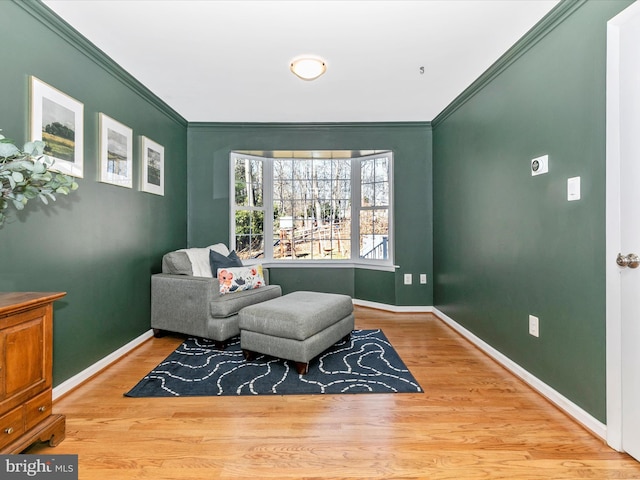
x,y
423,278
408,279
534,326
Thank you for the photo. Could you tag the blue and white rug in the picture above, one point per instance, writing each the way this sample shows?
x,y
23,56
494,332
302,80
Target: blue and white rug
x,y
366,363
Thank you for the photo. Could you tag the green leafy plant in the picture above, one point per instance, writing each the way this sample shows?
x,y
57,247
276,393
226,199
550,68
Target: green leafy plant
x,y
26,174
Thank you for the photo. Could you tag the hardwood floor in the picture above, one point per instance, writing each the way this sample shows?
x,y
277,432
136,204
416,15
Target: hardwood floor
x,y
474,421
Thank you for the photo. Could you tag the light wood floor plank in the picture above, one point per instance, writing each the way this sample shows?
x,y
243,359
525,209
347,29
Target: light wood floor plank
x,y
474,421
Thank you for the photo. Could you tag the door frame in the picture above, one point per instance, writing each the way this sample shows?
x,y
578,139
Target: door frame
x,y
613,225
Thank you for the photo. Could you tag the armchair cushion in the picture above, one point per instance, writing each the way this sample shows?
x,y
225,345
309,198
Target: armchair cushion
x,y
176,263
217,261
191,261
228,305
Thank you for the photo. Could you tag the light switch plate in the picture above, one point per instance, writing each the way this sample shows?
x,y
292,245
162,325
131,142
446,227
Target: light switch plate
x,y
534,326
573,189
408,278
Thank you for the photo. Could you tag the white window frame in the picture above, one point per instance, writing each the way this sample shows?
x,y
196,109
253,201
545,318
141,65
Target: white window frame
x,y
356,208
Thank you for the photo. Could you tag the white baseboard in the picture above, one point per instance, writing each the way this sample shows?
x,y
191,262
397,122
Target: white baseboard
x,y
570,408
89,372
393,308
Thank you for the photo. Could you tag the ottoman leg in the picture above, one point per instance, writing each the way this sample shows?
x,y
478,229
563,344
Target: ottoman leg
x,y
302,368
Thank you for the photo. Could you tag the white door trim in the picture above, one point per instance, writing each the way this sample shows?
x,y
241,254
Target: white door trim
x,y
613,225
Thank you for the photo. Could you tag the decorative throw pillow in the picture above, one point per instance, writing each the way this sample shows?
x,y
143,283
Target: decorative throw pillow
x,y
217,261
237,279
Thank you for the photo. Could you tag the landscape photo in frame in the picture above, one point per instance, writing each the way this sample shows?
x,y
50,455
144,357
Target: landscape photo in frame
x,y
58,120
152,167
116,152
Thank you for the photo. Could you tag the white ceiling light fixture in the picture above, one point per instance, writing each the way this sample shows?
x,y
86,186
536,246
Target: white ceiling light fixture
x,y
308,68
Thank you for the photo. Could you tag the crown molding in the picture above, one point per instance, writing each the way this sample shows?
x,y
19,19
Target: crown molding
x,y
550,21
309,126
57,25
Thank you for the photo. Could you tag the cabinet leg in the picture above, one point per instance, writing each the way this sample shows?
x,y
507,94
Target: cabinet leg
x,y
57,432
51,430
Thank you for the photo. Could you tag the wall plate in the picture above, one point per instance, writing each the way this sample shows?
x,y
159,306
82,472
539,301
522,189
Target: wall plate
x,y
540,165
573,188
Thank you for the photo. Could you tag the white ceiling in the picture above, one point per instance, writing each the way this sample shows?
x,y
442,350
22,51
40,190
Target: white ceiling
x,y
228,61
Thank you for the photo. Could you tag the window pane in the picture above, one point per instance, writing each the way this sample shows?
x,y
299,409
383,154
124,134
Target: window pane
x,y
302,170
256,195
366,222
335,241
341,170
342,190
381,222
302,189
374,234
249,233
367,195
241,194
322,169
374,247
382,169
282,168
341,210
367,171
324,188
248,182
282,189
299,209
248,247
381,194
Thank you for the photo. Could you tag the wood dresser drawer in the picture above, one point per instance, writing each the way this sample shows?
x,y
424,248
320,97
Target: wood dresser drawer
x,y
11,426
37,409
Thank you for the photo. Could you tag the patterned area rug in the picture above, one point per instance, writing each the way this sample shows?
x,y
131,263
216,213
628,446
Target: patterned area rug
x,y
367,363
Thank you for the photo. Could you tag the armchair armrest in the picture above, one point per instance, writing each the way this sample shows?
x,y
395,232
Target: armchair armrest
x,y
180,303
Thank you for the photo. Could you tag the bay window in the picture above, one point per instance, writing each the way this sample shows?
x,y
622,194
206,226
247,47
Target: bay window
x,y
313,206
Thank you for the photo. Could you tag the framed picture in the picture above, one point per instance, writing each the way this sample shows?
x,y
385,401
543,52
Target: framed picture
x,y
152,167
58,120
116,152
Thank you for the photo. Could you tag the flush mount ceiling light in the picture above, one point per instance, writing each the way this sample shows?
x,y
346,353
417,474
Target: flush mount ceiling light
x,y
308,68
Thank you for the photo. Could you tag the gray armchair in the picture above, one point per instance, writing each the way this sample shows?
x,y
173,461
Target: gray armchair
x,y
184,302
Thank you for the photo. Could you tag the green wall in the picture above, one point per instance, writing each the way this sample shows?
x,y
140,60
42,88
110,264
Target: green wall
x,y
507,244
209,146
102,243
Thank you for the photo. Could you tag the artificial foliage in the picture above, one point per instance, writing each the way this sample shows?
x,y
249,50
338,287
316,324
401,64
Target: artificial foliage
x,y
26,174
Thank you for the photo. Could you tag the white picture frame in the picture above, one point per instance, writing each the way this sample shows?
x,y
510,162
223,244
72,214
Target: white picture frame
x,y
152,178
116,152
58,120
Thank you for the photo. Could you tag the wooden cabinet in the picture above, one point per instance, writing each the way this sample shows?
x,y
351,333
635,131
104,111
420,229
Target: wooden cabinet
x,y
26,357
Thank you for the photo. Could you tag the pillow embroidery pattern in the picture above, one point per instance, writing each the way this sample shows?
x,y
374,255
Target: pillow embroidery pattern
x,y
237,279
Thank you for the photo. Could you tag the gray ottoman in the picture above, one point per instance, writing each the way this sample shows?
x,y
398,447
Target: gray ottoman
x,y
298,326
